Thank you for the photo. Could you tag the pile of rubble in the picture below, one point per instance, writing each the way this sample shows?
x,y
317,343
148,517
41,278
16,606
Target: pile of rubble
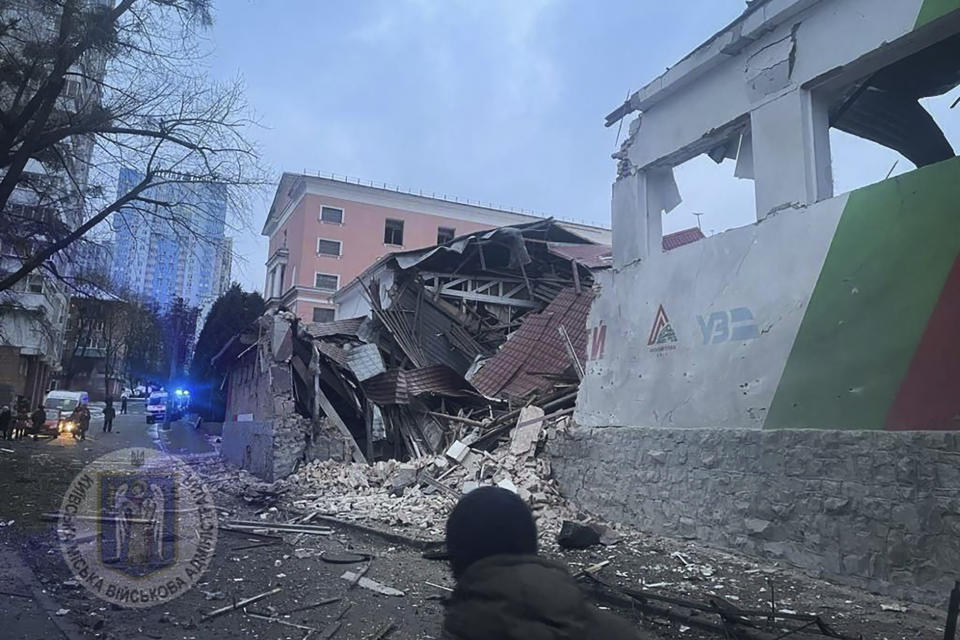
x,y
418,495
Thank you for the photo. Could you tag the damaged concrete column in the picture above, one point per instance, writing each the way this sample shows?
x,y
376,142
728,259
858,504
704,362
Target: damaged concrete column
x,y
791,152
637,227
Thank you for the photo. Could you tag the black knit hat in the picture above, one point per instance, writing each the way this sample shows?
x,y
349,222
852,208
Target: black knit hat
x,y
489,521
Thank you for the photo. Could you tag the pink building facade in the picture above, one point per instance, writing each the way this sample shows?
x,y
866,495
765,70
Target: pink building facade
x,y
324,233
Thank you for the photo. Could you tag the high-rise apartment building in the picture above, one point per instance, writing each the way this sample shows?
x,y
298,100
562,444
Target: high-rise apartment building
x,y
177,249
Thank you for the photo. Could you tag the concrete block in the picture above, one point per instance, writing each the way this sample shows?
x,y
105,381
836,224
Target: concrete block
x,y
458,451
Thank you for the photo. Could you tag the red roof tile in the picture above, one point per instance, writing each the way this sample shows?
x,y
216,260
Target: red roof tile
x,y
398,386
537,347
680,238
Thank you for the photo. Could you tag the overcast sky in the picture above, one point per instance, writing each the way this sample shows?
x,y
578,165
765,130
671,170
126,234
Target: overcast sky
x,y
495,100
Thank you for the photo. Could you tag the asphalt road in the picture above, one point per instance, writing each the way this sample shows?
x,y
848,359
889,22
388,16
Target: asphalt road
x,y
35,474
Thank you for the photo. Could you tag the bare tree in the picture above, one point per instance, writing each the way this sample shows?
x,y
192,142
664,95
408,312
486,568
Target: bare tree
x,y
116,327
91,89
96,337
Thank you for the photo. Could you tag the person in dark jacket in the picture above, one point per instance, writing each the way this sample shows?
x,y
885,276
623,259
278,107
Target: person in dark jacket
x,y
22,418
37,418
109,413
6,421
505,591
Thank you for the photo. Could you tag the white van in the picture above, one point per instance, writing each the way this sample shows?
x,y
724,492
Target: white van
x,y
59,404
156,408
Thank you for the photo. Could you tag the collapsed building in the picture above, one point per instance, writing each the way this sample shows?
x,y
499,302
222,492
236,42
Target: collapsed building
x,y
788,388
437,348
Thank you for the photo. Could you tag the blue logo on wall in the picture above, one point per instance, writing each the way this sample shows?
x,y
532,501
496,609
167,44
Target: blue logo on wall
x,y
722,326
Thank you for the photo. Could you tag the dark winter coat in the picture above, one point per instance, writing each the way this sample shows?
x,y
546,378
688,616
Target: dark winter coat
x,y
511,597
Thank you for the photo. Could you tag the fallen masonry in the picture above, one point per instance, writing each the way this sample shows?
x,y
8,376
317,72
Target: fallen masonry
x,y
417,496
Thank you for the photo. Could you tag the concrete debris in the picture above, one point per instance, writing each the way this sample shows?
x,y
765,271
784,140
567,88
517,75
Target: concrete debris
x,y
524,438
458,451
372,585
366,493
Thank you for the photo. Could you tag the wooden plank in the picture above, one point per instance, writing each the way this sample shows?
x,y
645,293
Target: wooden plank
x,y
571,352
480,297
334,417
445,416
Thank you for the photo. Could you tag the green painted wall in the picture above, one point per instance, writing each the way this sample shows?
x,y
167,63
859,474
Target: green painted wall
x,y
933,9
890,256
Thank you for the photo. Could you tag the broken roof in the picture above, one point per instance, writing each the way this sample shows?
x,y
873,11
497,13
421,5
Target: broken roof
x,y
537,350
594,256
398,386
345,327
501,239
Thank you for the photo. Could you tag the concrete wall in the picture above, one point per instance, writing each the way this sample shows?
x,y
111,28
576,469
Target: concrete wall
x,y
878,510
249,445
273,450
838,315
711,88
248,389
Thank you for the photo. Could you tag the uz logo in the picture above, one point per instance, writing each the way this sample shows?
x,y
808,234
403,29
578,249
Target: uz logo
x,y
736,324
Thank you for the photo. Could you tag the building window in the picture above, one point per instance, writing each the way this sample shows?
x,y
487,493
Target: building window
x,y
329,247
332,215
445,234
71,88
35,284
393,232
323,314
327,281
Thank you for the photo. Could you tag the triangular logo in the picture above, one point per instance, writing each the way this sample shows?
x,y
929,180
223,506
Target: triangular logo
x,y
662,331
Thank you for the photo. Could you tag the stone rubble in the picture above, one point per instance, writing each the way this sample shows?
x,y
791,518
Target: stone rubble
x,y
393,493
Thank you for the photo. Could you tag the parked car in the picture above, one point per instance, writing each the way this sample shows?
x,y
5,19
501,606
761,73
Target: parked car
x,y
59,405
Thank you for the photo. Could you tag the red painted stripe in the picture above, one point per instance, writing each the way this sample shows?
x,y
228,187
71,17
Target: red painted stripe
x,y
929,396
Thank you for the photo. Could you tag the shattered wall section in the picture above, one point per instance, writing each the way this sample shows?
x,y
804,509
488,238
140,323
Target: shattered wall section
x,y
273,439
298,440
877,510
